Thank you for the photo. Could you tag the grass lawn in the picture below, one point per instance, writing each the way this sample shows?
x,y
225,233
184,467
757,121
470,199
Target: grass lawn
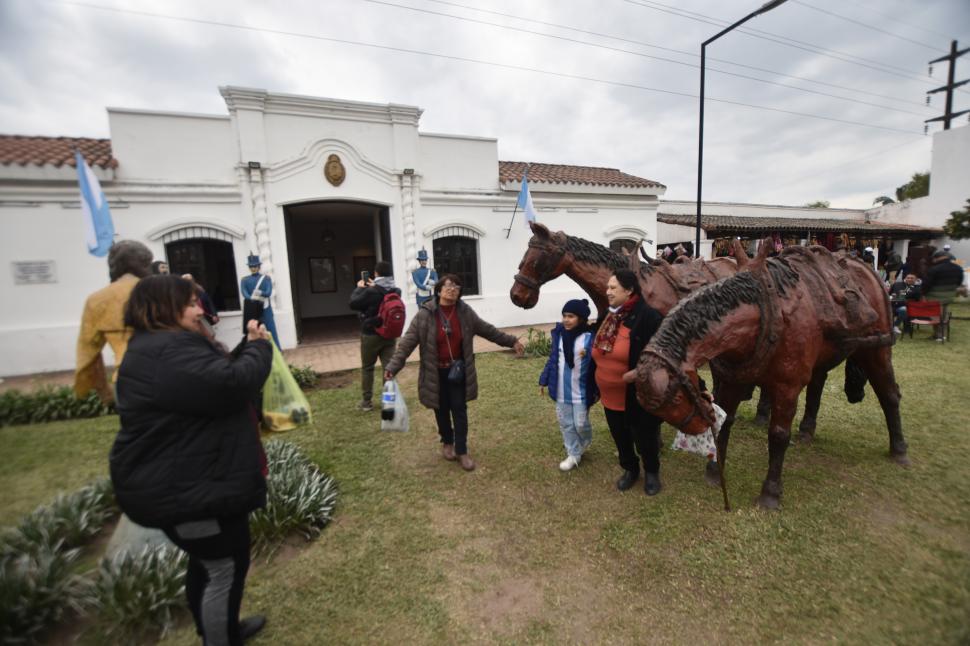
x,y
420,552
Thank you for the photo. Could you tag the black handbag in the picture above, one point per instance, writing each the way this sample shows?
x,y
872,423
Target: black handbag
x,y
456,371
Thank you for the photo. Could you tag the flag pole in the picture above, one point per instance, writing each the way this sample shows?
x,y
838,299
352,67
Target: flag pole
x,y
515,209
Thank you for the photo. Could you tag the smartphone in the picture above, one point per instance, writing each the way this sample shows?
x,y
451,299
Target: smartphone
x,y
365,275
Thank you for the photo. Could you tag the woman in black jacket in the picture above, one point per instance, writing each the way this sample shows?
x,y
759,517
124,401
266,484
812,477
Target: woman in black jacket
x,y
188,458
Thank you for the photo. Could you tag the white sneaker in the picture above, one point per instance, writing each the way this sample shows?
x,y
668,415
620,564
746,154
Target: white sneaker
x,y
896,330
569,463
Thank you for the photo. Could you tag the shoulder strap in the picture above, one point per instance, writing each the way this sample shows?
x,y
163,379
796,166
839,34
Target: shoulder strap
x,y
258,283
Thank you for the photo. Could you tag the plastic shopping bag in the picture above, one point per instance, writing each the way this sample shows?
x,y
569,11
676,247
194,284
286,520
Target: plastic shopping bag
x,y
703,444
284,405
394,410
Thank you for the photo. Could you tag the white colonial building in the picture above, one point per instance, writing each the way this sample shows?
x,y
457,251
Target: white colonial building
x,y
319,188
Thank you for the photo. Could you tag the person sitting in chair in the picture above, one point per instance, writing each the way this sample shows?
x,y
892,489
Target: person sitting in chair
x,y
941,282
907,290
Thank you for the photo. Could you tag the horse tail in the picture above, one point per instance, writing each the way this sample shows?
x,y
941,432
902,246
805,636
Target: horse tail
x,y
855,381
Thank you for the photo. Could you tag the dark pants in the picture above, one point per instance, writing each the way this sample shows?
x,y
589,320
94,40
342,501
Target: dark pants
x,y
645,436
218,552
373,346
452,413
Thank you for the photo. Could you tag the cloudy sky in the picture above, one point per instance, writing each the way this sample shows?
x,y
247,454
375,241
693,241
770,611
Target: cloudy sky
x,y
588,82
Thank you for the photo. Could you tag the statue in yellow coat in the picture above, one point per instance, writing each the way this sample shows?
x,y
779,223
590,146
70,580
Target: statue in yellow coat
x,y
103,318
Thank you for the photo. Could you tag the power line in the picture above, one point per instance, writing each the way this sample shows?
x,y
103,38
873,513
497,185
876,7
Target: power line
x,y
344,41
901,22
786,41
641,54
669,49
866,25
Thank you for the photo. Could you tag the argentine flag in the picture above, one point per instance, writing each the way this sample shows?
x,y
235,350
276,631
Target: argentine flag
x,y
525,201
94,205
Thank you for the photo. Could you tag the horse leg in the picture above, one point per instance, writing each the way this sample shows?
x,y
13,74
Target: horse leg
x,y
813,398
729,397
878,365
783,407
764,409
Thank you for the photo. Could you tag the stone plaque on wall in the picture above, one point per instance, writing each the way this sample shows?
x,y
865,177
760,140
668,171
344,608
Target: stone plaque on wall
x,y
34,272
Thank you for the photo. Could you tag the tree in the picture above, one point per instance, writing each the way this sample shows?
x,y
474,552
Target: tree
x,y
818,204
883,200
958,224
918,186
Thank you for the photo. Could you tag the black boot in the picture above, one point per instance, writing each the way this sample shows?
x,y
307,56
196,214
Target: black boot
x,y
651,485
251,625
627,480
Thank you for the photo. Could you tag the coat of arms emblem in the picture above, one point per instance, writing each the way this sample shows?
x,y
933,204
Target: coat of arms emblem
x,y
334,170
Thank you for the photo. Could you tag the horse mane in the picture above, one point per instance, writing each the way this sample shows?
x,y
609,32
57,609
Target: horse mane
x,y
690,319
597,254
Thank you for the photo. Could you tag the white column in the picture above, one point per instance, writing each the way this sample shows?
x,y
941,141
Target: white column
x,y
261,224
408,189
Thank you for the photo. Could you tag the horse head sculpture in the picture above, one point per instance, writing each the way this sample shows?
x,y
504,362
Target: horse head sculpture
x,y
672,394
543,261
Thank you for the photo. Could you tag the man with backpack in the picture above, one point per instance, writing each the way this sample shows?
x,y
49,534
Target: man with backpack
x,y
381,310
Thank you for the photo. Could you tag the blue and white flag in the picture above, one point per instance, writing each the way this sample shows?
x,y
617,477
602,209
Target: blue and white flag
x,y
98,226
525,201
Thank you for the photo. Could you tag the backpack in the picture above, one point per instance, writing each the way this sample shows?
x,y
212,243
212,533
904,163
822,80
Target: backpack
x,y
391,313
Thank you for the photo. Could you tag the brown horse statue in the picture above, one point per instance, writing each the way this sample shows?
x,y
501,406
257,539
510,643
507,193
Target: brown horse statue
x,y
590,265
781,324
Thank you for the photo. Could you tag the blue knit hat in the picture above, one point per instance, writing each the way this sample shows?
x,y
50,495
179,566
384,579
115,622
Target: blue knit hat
x,y
579,307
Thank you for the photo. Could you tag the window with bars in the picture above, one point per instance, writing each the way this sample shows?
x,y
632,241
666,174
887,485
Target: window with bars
x,y
458,254
211,263
620,245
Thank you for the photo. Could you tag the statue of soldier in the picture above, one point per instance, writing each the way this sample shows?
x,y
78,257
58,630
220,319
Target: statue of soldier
x,y
424,278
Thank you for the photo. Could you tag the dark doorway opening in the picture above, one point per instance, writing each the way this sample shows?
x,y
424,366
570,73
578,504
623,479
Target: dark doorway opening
x,y
329,244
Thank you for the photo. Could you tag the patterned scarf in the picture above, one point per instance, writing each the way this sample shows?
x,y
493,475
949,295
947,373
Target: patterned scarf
x,y
606,336
569,342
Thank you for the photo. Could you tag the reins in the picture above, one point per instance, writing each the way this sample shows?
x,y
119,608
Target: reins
x,y
549,250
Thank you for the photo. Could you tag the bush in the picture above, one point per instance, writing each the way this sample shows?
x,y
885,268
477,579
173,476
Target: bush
x,y
139,592
300,498
306,376
538,344
47,405
68,522
36,589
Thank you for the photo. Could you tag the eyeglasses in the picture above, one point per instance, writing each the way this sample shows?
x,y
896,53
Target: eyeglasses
x,y
450,286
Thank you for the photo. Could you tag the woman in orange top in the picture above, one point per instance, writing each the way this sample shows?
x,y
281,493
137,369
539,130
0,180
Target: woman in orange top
x,y
621,337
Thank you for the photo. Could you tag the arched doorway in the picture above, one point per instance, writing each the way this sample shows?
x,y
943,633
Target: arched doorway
x,y
329,244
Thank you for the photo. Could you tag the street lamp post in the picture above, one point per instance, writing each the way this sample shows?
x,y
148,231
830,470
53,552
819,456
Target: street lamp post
x,y
768,6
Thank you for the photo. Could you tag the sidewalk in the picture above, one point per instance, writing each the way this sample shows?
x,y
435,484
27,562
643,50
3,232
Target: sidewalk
x,y
322,357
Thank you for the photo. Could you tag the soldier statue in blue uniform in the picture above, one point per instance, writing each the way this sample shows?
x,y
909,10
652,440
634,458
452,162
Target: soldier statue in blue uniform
x,y
258,287
424,278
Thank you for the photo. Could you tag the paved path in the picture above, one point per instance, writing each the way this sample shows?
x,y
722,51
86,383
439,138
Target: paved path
x,y
322,357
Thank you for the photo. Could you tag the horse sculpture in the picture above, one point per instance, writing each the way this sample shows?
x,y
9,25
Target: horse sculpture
x,y
781,324
590,265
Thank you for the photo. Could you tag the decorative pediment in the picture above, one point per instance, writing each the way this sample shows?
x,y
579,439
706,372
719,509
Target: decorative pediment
x,y
315,156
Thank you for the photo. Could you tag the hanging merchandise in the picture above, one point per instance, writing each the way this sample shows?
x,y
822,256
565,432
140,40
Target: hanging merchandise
x,y
285,407
394,410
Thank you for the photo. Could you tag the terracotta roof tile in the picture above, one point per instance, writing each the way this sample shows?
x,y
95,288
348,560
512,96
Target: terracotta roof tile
x,y
509,171
55,151
734,224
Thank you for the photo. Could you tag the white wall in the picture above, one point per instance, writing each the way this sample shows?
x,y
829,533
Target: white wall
x,y
758,210
458,163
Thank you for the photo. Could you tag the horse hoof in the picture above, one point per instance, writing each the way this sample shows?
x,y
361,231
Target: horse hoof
x,y
902,459
805,438
712,475
770,503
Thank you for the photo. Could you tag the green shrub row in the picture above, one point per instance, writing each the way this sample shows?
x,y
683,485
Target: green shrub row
x,y
134,595
538,343
306,376
47,405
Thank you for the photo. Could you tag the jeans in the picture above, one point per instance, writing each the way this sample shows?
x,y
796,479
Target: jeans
x,y
900,316
218,551
452,413
628,434
577,432
373,346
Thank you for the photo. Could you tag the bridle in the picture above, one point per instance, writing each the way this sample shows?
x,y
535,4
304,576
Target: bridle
x,y
681,380
549,251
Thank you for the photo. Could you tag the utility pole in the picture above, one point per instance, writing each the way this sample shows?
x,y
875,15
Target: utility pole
x,y
949,114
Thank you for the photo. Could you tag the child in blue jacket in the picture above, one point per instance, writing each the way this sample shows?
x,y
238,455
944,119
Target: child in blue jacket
x,y
569,376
